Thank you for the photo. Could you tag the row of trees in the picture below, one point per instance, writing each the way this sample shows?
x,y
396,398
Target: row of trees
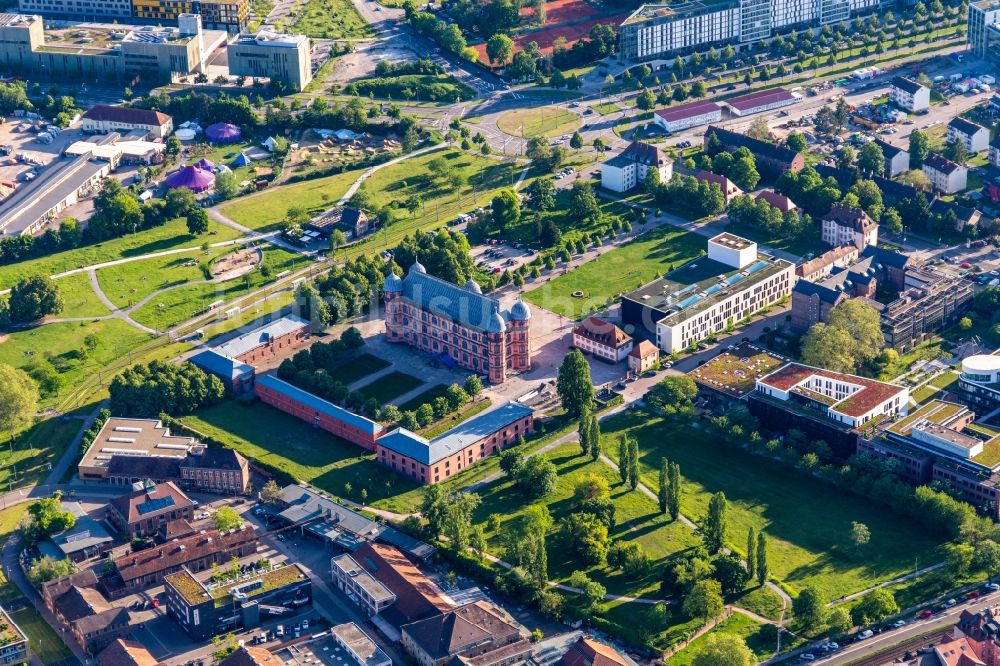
x,y
146,391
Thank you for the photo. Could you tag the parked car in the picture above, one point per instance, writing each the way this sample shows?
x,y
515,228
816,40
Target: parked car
x,y
950,603
926,613
867,633
992,587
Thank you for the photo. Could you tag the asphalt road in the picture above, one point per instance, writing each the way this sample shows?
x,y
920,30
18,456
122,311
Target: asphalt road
x,y
888,639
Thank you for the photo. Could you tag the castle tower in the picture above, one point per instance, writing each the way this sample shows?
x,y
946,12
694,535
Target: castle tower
x,y
519,337
393,293
496,341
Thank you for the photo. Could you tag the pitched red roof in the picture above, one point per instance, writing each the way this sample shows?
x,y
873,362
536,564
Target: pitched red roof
x,y
126,114
173,554
779,201
689,110
141,504
643,349
588,652
124,652
849,216
602,332
728,186
417,596
761,98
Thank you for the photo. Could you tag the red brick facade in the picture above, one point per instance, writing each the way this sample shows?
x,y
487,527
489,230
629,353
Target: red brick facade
x,y
319,418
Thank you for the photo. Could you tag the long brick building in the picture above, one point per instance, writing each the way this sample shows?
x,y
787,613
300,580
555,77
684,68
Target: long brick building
x,y
459,323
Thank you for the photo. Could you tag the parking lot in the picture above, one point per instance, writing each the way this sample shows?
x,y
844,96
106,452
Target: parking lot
x,y
23,153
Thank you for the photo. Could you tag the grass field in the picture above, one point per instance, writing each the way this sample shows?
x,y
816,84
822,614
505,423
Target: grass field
x,y
438,390
224,154
797,245
358,367
637,519
806,521
619,270
263,433
34,449
64,342
330,19
540,121
741,625
390,386
177,305
481,178
127,284
265,210
42,639
606,108
171,235
79,299
449,422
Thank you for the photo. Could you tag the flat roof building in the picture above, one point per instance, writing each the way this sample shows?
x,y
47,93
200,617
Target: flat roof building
x,y
733,374
86,539
134,438
761,101
271,55
707,294
360,586
13,641
692,114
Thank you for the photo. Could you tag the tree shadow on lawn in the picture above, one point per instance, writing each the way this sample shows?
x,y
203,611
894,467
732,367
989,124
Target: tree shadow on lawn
x,y
805,525
162,244
363,472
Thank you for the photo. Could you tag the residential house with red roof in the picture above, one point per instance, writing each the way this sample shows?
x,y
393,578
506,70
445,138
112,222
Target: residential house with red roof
x,y
479,633
125,652
602,339
847,225
589,652
644,356
628,168
779,201
730,190
104,118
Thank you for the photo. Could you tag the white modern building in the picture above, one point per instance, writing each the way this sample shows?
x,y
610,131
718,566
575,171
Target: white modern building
x,y
848,399
602,339
693,114
707,294
974,137
272,55
994,153
846,225
982,26
909,95
979,381
664,30
945,175
628,168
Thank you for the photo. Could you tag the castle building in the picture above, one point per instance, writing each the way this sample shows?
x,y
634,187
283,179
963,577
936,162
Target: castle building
x,y
459,324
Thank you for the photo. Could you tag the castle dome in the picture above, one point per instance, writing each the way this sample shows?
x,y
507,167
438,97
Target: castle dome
x,y
417,267
496,324
473,286
520,311
393,283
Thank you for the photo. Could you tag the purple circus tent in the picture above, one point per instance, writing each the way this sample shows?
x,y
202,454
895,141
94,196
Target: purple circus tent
x,y
223,133
206,164
193,178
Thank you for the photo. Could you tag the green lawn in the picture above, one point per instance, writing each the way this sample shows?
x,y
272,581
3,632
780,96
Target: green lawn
x,y
330,19
539,121
637,518
167,237
64,343
761,600
127,284
750,630
797,245
419,87
177,305
807,522
42,639
35,449
620,270
266,209
224,154
263,433
447,423
606,108
358,367
79,299
481,178
391,386
438,390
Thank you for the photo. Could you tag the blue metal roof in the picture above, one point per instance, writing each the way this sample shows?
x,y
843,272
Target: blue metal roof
x,y
223,366
482,425
453,302
259,336
320,405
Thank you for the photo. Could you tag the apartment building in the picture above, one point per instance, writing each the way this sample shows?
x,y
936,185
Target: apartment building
x,y
661,31
360,586
730,190
982,34
628,168
772,160
270,55
897,160
78,605
602,339
945,175
909,95
708,294
13,641
846,225
973,136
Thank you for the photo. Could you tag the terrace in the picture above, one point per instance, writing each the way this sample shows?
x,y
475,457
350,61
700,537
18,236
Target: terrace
x,y
9,632
935,411
735,372
269,580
